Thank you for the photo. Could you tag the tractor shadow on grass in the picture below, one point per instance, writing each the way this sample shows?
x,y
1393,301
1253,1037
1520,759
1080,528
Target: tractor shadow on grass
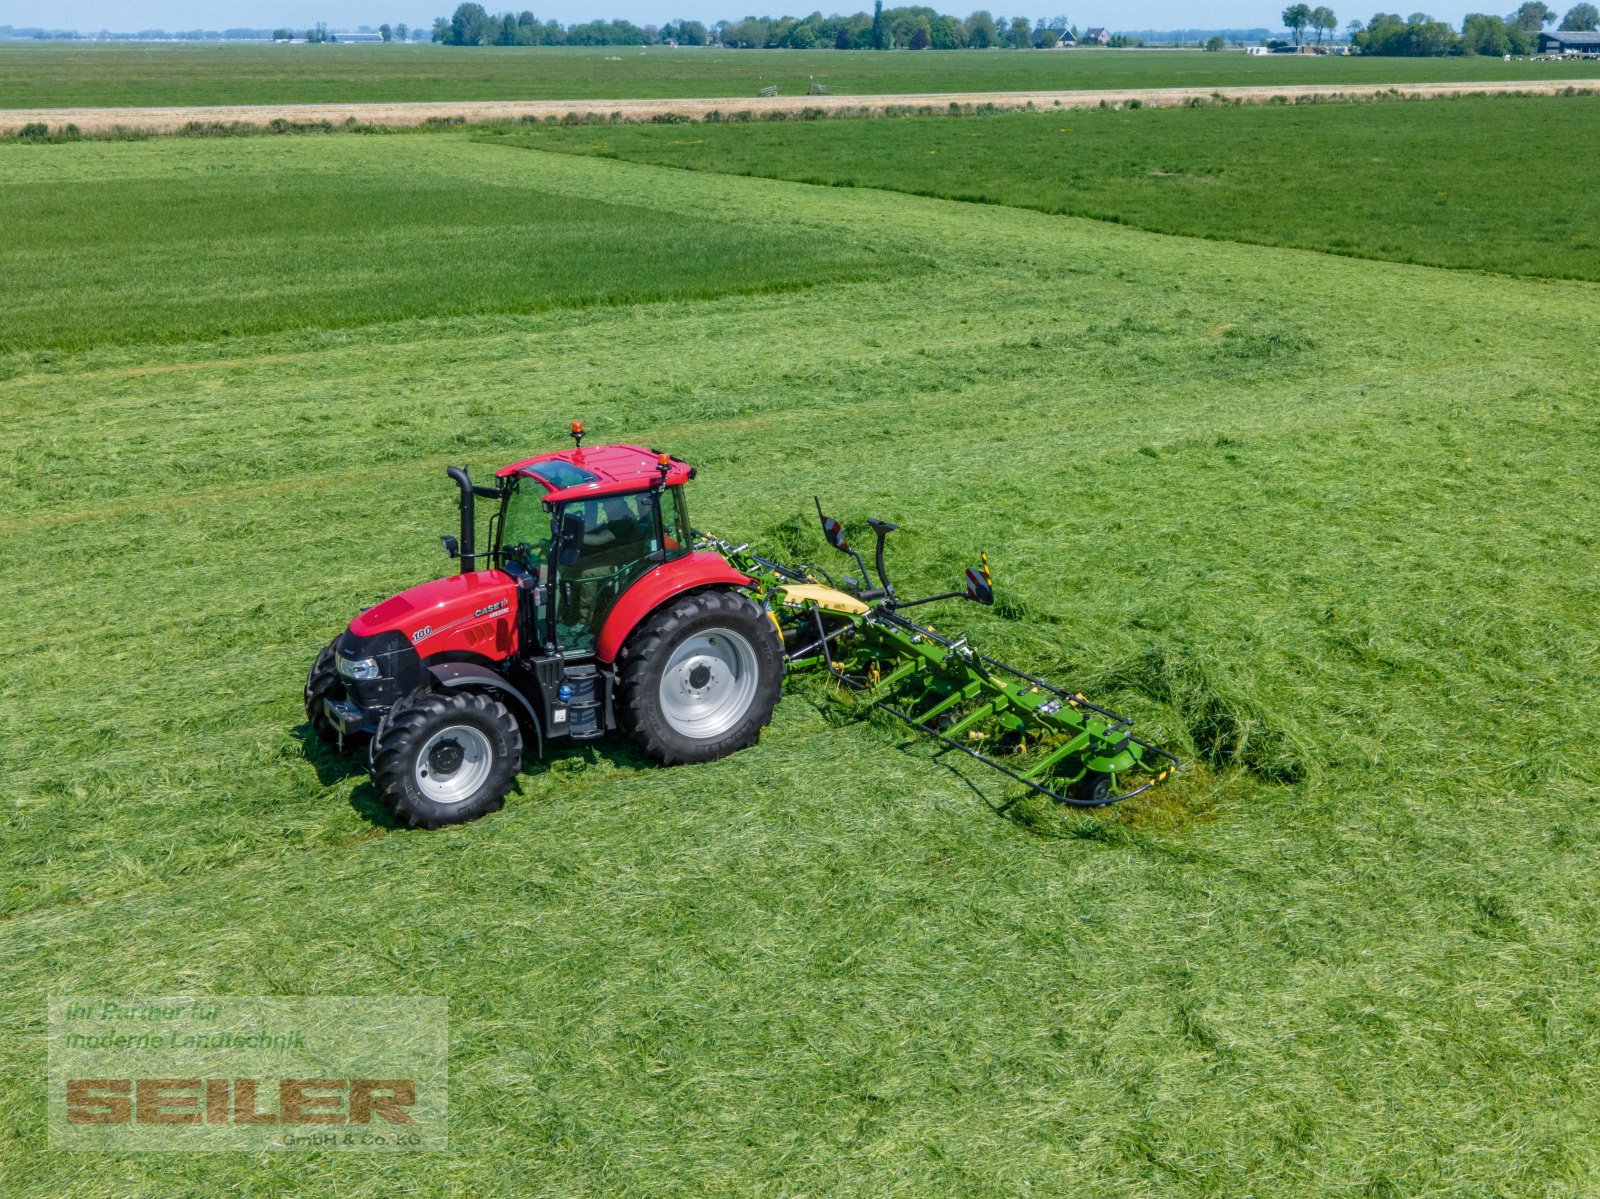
x,y
366,804
333,768
593,761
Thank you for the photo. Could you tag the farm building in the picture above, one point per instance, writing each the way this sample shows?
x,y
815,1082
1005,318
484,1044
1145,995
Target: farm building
x,y
1569,43
1097,37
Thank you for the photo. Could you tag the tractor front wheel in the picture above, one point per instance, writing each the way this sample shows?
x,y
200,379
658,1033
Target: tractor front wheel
x,y
323,682
700,677
446,758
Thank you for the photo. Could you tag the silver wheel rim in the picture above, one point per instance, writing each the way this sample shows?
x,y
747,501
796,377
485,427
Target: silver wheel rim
x,y
709,684
453,764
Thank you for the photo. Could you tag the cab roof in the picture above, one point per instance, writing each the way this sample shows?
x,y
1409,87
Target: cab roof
x,y
586,472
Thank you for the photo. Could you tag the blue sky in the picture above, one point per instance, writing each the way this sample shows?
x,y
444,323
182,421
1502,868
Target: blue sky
x,y
89,15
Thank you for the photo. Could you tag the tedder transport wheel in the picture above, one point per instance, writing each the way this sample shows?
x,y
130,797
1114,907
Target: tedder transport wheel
x,y
446,758
322,681
699,677
1092,790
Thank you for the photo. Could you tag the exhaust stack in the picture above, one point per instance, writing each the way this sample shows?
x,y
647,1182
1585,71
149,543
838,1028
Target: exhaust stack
x,y
466,550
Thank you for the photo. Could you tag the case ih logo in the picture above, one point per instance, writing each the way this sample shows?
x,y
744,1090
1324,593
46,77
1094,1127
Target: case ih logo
x,y
240,1100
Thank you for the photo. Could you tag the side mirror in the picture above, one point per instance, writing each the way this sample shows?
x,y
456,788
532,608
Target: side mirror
x,y
569,539
452,547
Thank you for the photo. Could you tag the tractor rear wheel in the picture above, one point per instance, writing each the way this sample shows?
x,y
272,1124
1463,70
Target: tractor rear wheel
x,y
446,758
699,678
323,682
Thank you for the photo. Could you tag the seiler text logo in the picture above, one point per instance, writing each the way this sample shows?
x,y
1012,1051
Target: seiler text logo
x,y
240,1100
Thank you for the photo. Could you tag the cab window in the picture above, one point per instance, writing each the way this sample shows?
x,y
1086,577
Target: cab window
x,y
525,530
620,543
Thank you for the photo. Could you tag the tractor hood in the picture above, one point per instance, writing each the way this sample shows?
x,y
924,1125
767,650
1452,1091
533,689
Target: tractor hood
x,y
474,613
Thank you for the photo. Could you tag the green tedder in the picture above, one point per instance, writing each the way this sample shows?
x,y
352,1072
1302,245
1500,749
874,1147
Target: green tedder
x,y
1054,741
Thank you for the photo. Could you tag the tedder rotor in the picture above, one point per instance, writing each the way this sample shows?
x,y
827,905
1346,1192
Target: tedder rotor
x,y
597,607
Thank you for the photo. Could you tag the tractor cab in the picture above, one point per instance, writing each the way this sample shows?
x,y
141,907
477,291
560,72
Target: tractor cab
x,y
584,544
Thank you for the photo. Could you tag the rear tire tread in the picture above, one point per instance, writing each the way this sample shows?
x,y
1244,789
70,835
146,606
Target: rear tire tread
x,y
645,655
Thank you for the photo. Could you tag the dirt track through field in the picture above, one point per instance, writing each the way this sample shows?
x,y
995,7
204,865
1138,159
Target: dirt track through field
x,y
169,120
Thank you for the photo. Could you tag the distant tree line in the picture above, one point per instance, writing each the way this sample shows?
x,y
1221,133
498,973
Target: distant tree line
x,y
317,33
921,28
1199,37
1298,17
1421,36
142,35
913,28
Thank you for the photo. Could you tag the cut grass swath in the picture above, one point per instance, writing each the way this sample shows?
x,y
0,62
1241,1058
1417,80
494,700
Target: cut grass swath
x,y
277,243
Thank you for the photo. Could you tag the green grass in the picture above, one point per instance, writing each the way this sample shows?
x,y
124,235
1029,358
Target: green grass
x,y
277,243
1313,518
62,74
1483,184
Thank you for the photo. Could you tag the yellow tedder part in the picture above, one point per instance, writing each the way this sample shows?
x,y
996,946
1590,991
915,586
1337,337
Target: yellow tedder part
x,y
826,598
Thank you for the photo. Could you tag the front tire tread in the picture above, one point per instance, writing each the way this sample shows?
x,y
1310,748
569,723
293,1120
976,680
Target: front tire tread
x,y
406,729
323,682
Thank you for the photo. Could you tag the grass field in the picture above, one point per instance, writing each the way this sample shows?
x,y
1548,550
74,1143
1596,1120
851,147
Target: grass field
x,y
1483,184
63,75
1328,524
286,243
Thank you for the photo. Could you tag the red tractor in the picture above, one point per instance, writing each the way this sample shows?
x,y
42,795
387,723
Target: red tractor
x,y
589,611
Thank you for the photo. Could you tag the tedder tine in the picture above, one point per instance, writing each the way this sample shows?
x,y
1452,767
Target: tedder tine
x,y
1076,745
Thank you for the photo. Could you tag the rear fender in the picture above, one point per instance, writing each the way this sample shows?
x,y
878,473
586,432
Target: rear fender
x,y
651,590
452,676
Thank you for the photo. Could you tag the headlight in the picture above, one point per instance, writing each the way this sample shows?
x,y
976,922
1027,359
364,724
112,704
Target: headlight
x,y
362,668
